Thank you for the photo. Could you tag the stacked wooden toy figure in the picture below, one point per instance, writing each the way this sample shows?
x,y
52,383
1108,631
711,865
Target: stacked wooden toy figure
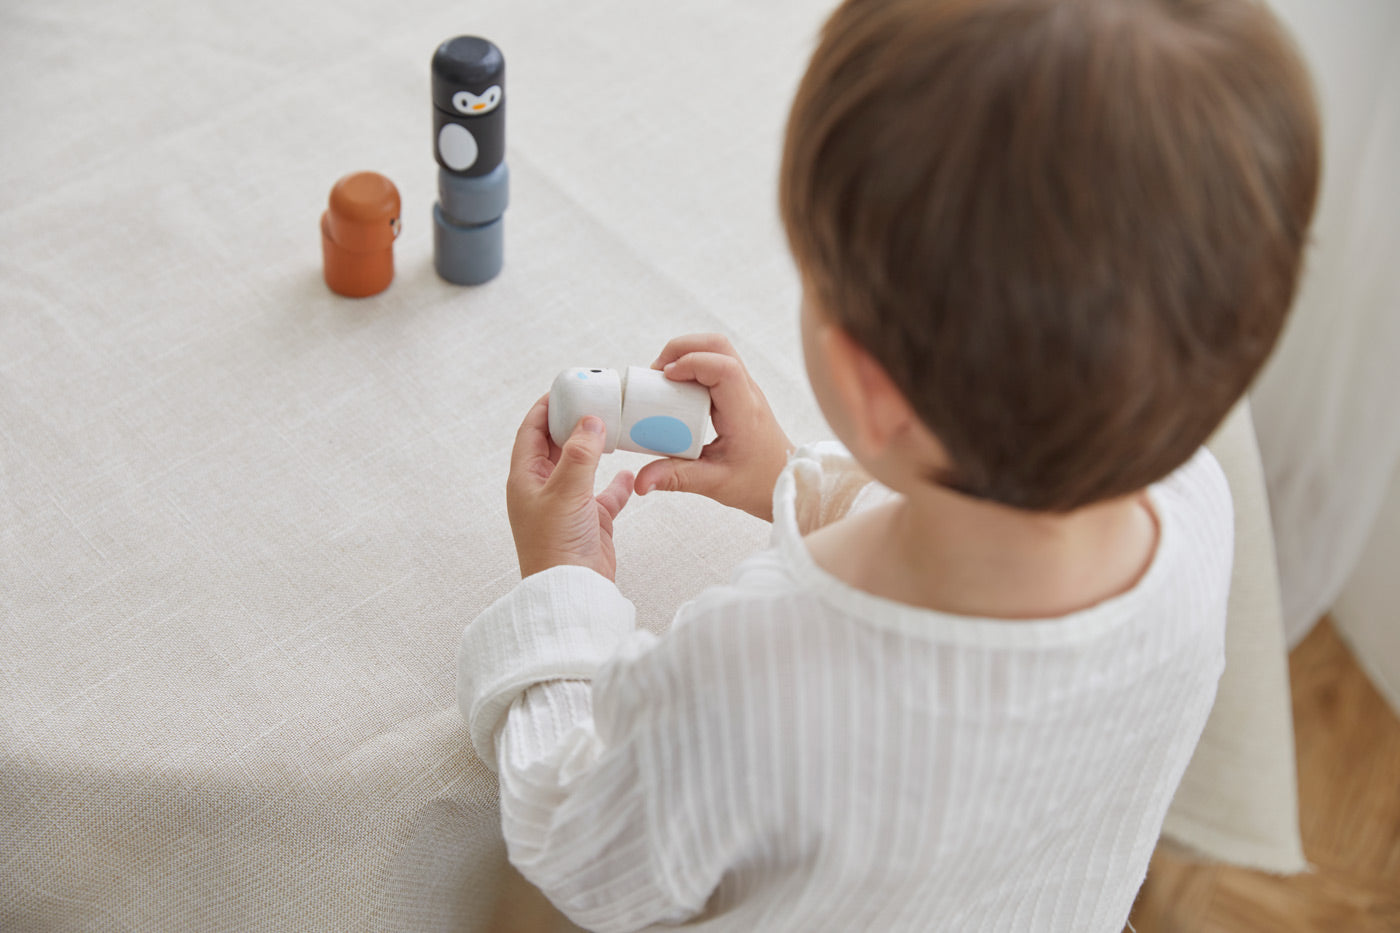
x,y
469,141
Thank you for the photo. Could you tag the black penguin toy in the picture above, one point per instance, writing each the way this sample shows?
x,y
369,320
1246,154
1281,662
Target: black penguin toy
x,y
469,141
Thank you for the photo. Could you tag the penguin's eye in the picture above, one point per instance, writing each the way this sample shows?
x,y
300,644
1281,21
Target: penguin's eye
x,y
474,106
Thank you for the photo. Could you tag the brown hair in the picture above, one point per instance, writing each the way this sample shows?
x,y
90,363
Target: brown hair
x,y
1069,230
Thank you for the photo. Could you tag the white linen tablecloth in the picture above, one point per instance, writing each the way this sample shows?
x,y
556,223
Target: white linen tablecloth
x,y
243,520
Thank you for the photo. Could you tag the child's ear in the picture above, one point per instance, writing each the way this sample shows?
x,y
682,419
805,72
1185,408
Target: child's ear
x,y
878,410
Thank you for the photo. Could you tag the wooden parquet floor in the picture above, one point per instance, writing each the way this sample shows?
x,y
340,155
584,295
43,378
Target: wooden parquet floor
x,y
1348,742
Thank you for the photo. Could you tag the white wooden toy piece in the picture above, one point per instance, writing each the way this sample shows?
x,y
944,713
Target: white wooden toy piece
x,y
642,409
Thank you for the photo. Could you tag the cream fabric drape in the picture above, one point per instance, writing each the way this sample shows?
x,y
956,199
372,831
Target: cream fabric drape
x,y
1325,408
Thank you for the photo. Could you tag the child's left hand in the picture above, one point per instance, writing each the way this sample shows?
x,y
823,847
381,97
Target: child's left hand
x,y
554,515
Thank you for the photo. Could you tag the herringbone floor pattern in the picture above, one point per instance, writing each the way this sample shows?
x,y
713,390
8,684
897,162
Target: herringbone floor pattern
x,y
1348,743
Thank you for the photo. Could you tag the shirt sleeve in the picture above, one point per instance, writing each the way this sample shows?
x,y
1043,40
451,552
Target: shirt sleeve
x,y
576,792
828,485
561,624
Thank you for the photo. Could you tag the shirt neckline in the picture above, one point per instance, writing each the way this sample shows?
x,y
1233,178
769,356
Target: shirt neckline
x,y
1079,626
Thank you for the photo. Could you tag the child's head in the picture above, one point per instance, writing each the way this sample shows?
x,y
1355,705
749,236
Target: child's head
x,y
1068,230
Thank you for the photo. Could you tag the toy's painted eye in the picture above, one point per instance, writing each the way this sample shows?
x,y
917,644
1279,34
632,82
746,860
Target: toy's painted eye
x,y
474,106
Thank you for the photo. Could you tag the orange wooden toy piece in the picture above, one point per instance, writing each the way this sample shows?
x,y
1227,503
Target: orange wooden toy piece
x,y
357,234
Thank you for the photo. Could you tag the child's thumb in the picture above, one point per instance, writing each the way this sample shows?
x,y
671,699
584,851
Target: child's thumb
x,y
672,475
578,458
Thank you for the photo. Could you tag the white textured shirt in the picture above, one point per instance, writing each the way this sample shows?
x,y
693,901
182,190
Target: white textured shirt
x,y
795,754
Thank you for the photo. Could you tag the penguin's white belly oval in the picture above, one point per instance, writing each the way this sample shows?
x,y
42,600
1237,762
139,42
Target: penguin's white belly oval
x,y
457,146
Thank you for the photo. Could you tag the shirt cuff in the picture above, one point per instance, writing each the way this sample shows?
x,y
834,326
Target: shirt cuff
x,y
561,624
825,484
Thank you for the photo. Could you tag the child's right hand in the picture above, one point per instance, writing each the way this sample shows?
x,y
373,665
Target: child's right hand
x,y
741,465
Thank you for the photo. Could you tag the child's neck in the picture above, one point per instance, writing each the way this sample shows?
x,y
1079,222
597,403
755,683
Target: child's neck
x,y
939,550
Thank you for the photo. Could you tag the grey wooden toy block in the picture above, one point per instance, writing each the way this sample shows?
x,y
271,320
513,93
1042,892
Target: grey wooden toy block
x,y
467,255
469,200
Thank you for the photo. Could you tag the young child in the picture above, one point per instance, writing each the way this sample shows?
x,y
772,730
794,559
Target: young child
x,y
1045,246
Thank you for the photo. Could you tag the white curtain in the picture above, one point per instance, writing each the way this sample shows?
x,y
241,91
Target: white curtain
x,y
1326,406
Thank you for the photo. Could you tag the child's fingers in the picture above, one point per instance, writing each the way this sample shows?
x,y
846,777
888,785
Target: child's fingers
x,y
532,440
616,495
723,375
694,343
578,459
669,475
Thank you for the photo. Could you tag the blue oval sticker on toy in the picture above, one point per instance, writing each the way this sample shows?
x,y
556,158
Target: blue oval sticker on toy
x,y
662,433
